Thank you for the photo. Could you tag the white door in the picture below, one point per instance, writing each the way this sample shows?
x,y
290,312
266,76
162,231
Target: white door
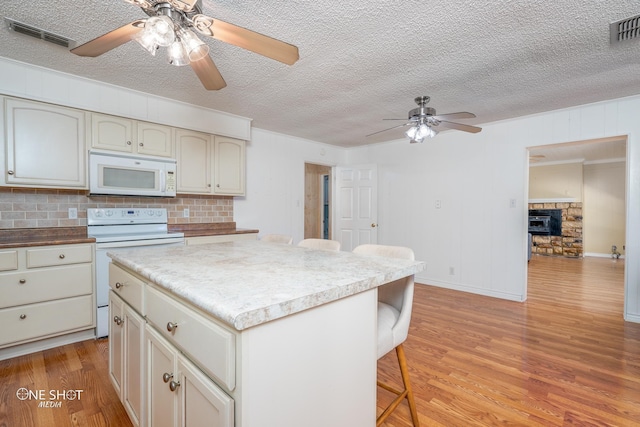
x,y
356,198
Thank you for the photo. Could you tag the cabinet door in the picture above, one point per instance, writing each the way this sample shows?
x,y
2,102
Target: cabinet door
x,y
116,347
133,380
202,403
161,400
45,145
112,133
229,162
154,140
193,155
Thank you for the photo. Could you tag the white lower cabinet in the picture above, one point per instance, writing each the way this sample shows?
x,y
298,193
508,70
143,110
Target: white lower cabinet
x,y
126,334
179,394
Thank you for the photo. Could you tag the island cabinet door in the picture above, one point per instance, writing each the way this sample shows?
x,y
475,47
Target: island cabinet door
x,y
132,381
161,377
180,394
116,343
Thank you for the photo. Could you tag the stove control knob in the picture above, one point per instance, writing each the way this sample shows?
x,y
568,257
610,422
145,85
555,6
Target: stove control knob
x,y
150,212
98,214
109,212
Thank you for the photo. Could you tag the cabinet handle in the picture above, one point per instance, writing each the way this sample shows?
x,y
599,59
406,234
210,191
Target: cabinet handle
x,y
128,142
119,285
10,172
61,256
23,316
166,377
22,281
141,144
171,326
174,385
218,185
118,320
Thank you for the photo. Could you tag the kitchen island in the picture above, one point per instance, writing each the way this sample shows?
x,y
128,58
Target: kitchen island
x,y
248,333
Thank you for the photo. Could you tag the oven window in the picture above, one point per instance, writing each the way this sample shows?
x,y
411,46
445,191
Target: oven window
x,y
129,178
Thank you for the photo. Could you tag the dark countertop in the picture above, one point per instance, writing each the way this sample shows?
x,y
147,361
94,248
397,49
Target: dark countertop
x,y
209,229
20,237
47,236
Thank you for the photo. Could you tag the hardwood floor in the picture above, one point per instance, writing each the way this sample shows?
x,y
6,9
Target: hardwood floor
x,y
81,368
564,357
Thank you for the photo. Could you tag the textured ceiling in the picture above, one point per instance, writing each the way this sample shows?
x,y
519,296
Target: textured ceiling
x,y
362,61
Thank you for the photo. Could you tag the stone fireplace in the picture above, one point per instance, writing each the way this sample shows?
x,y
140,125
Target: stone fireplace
x,y
568,242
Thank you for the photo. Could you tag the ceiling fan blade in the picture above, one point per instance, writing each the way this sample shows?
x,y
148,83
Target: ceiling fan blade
x,y
208,73
384,130
455,116
246,39
111,40
459,126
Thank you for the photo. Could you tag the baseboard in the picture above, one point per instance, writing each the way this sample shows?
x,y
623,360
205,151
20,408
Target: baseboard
x,y
471,289
45,344
599,255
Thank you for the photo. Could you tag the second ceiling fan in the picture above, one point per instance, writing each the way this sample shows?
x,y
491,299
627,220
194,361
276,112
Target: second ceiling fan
x,y
170,24
423,121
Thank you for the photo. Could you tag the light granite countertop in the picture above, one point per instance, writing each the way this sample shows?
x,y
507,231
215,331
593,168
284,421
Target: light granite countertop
x,y
246,283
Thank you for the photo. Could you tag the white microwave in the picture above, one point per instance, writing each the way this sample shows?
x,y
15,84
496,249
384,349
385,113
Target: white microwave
x,y
128,175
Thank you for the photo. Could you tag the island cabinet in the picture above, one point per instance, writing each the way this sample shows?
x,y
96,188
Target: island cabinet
x,y
44,145
255,334
115,133
47,293
126,335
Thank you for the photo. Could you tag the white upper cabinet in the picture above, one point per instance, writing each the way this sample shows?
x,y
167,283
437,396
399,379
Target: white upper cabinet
x,y
130,136
44,146
193,156
210,164
228,166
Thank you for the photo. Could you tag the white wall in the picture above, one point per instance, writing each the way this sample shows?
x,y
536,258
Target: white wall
x,y
476,234
274,201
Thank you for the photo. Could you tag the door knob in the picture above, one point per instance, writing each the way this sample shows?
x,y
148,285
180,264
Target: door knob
x,y
374,225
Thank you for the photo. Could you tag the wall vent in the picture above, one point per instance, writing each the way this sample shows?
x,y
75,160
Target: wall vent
x,y
39,33
626,29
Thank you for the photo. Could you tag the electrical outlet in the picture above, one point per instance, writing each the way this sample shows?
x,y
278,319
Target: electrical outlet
x,y
512,203
185,213
73,213
438,204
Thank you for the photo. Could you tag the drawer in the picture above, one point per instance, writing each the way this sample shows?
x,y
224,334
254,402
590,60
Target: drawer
x,y
33,321
208,345
8,260
59,255
29,286
127,287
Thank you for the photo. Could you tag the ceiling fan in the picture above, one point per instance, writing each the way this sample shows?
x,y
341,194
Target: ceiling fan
x,y
423,121
170,24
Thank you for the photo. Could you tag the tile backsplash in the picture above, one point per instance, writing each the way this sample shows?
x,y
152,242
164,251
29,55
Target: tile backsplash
x,y
32,208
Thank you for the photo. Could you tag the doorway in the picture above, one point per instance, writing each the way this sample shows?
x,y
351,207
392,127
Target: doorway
x,y
317,201
589,177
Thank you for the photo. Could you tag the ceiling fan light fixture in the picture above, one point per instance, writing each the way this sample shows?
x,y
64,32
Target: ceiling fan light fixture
x,y
147,41
177,54
196,48
161,29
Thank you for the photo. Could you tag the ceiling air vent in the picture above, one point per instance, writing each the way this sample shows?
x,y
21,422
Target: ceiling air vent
x,y
626,29
38,33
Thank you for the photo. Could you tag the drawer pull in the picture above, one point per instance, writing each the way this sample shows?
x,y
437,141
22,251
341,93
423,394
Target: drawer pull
x,y
22,281
171,326
23,316
118,320
10,172
174,385
166,377
61,256
128,142
119,285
